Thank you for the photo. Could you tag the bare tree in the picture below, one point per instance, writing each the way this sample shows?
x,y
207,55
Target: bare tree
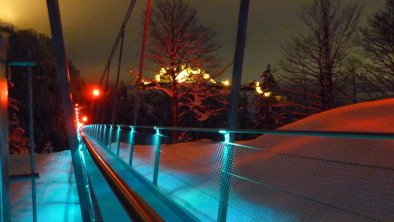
x,y
177,39
378,43
353,78
314,62
201,99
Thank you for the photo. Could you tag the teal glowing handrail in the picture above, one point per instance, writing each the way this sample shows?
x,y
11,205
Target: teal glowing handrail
x,y
226,172
134,205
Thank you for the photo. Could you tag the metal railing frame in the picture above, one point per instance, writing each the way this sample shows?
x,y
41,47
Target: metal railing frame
x,y
29,65
228,155
134,205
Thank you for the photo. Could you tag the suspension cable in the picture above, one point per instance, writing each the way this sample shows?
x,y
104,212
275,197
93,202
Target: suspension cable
x,y
115,46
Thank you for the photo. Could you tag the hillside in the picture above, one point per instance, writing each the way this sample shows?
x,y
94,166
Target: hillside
x,y
320,178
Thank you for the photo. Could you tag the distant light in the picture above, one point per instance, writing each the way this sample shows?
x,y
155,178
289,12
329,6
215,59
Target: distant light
x,y
84,119
157,78
184,75
267,94
226,83
76,104
96,92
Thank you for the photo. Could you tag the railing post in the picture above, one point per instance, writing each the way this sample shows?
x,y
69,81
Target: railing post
x,y
156,145
95,131
110,137
31,140
131,142
103,133
29,65
100,132
118,140
225,179
106,131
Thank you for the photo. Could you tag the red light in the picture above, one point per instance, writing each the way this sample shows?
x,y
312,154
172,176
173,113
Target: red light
x,y
96,92
84,119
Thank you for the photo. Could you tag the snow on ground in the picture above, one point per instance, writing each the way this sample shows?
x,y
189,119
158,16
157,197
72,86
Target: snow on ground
x,y
375,116
57,197
355,183
288,178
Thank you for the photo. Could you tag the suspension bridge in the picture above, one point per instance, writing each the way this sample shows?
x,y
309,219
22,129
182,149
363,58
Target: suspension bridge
x,y
132,173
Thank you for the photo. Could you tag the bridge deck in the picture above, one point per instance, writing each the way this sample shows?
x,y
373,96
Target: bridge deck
x,y
57,197
167,209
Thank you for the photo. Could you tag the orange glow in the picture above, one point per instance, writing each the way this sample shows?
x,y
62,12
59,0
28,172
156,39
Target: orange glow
x,y
84,119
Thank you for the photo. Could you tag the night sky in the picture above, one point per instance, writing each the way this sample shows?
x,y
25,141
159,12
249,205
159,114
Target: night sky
x,y
90,28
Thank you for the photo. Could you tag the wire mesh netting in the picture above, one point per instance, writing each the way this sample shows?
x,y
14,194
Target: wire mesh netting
x,y
271,178
295,187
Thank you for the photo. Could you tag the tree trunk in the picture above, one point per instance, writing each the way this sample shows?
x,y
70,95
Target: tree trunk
x,y
174,110
326,57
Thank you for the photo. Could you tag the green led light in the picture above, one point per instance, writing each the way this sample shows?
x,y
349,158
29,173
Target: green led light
x,y
227,137
157,130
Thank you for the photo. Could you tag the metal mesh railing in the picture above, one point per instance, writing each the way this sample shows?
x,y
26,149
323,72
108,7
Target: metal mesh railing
x,y
279,176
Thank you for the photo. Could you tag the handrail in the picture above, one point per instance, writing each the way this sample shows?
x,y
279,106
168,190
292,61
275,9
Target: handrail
x,y
135,206
338,134
106,134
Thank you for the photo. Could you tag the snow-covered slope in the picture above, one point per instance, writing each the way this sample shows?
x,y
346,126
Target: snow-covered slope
x,y
329,179
375,116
